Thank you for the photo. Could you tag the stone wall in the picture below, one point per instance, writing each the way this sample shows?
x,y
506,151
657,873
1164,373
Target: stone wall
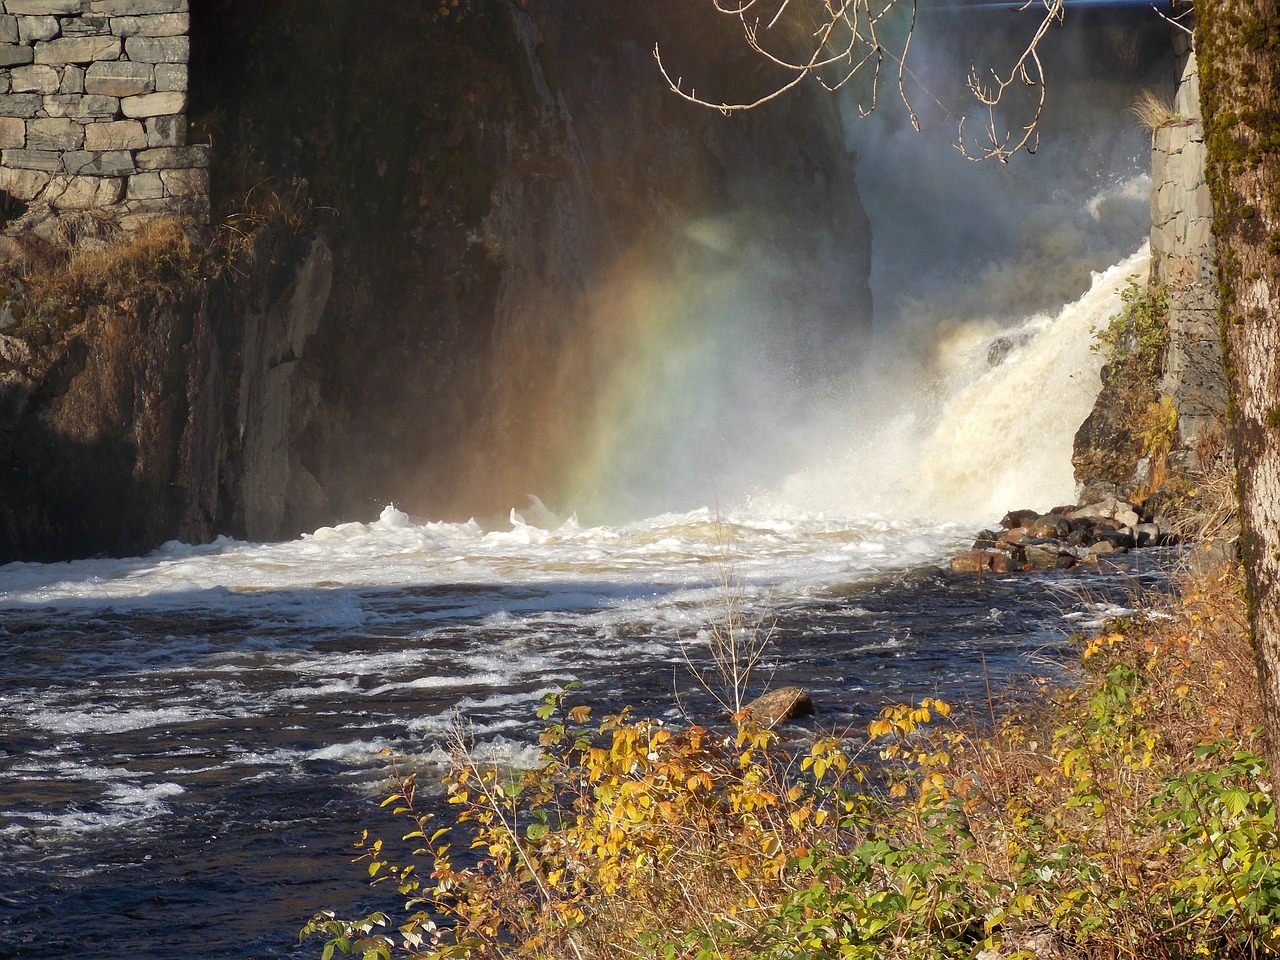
x,y
93,99
1182,258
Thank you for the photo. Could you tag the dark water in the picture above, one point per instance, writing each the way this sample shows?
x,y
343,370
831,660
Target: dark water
x,y
180,781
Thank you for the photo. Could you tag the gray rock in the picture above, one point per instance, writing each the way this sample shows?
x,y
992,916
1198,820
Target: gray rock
x,y
13,133
48,161
115,135
8,29
153,104
87,26
170,77
158,49
72,80
111,163
77,106
168,131
128,8
1043,555
193,182
83,193
31,29
23,184
145,186
120,79
12,54
155,25
53,134
173,158
40,8
77,50
35,78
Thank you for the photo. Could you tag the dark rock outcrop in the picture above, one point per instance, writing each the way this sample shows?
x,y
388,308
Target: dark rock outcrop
x,y
467,210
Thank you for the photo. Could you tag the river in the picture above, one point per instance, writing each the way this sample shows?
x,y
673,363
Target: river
x,y
190,741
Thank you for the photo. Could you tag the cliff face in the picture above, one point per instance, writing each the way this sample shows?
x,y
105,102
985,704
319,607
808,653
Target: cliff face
x,y
465,204
1111,454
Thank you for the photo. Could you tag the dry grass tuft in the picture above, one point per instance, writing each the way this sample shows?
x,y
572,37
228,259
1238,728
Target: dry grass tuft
x,y
1153,111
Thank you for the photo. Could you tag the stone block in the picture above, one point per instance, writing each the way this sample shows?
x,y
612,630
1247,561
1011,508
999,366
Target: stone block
x,y
8,29
84,193
173,158
31,29
115,135
153,104
170,131
72,80
156,25
158,49
136,8
34,78
120,79
49,161
23,184
44,8
54,135
4,82
90,26
13,133
112,163
192,182
77,106
145,186
12,54
170,77
78,50
20,104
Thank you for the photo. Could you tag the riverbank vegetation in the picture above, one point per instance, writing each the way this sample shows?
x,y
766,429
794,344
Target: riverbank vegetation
x,y
1125,812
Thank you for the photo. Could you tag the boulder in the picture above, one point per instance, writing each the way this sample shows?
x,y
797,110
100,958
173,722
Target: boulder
x,y
1049,525
779,706
986,539
1044,555
1018,518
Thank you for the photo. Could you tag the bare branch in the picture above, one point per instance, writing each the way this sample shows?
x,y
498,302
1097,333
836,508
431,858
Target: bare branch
x,y
846,38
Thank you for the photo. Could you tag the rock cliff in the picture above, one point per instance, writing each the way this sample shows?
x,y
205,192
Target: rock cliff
x,y
458,199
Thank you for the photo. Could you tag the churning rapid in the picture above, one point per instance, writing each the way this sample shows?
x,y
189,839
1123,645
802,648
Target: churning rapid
x,y
190,739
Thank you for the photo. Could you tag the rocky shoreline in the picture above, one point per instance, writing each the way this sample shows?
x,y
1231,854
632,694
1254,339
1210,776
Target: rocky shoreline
x,y
1063,538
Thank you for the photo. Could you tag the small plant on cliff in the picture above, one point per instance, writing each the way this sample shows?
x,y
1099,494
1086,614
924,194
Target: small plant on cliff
x,y
1136,338
1153,111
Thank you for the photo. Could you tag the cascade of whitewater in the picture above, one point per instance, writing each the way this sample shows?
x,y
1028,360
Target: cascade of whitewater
x,y
987,425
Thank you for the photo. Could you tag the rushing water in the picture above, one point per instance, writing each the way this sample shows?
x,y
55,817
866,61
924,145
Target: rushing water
x,y
189,741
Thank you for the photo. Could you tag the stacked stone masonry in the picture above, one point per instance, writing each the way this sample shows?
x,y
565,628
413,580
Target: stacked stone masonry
x,y
93,99
1182,255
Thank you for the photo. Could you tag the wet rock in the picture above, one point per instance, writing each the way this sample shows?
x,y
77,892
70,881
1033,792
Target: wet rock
x,y
1050,525
1152,534
1014,536
779,706
1004,563
1110,508
986,539
1121,539
1018,518
1044,556
975,561
1102,548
